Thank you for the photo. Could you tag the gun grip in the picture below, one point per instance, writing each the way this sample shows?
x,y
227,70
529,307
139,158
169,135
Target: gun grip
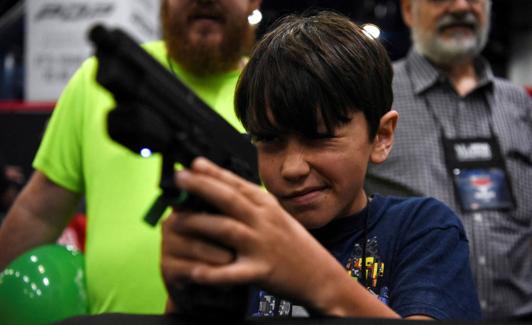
x,y
204,301
161,204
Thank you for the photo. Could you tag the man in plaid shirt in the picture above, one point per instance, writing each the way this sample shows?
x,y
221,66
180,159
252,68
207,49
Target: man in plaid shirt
x,y
464,138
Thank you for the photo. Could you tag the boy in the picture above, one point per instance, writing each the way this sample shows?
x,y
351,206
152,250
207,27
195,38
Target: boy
x,y
316,97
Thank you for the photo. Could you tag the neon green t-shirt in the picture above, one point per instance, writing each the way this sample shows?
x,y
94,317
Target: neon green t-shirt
x,y
122,251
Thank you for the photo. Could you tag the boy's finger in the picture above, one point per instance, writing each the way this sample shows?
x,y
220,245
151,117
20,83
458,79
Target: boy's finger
x,y
175,271
226,198
178,242
250,190
192,248
234,273
219,229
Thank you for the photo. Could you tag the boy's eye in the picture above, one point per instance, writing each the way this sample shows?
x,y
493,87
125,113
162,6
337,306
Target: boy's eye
x,y
320,139
324,136
264,138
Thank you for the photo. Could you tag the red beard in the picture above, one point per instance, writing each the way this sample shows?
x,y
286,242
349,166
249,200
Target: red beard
x,y
203,56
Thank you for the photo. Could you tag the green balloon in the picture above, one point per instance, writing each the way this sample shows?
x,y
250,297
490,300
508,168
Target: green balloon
x,y
44,285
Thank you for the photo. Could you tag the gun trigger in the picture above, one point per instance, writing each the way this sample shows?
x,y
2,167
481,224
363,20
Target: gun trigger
x,y
156,210
161,204
182,197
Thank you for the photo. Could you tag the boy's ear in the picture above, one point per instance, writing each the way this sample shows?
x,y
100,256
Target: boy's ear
x,y
383,142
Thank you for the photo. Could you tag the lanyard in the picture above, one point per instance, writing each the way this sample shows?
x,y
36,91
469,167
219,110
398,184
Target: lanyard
x,y
475,165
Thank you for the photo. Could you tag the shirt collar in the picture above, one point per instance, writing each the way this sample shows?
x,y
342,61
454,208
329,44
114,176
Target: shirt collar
x,y
486,76
425,75
339,229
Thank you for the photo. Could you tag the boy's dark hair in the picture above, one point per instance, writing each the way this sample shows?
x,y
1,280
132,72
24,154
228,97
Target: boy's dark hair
x,y
322,63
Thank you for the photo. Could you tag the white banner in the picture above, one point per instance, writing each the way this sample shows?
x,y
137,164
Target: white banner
x,y
56,37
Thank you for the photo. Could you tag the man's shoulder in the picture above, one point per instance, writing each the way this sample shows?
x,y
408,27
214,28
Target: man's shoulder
x,y
399,66
399,69
401,80
509,90
157,49
154,46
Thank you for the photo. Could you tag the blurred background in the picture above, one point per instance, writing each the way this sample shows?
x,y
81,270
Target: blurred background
x,y
42,42
511,29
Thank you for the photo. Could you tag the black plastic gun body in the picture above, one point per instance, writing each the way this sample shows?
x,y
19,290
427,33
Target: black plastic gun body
x,y
156,112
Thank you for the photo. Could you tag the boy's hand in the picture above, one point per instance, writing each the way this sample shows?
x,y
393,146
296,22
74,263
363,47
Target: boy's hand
x,y
255,241
268,246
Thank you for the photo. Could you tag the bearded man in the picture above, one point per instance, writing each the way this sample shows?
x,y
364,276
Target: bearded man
x,y
464,138
205,43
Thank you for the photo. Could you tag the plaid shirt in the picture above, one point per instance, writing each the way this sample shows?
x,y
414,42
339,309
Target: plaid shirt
x,y
500,242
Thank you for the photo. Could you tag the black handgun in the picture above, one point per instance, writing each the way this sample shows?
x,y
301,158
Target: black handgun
x,y
156,112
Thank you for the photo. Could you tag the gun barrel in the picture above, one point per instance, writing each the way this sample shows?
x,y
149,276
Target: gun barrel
x,y
134,76
147,93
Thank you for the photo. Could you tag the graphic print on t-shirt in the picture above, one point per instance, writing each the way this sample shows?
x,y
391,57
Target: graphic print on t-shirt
x,y
270,305
374,270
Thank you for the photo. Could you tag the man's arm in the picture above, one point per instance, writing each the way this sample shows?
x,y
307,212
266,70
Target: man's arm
x,y
38,216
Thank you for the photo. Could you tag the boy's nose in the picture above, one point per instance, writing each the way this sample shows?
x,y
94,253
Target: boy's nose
x,y
294,167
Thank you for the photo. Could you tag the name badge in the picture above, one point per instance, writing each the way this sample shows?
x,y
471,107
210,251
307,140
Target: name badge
x,y
479,174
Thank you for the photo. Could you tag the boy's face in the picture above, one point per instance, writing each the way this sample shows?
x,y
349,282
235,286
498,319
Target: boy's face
x,y
318,180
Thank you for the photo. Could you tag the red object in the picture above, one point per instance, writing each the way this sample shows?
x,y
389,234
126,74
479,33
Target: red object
x,y
74,233
26,107
529,89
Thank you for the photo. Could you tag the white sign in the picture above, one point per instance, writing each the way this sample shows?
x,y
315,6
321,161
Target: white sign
x,y
56,37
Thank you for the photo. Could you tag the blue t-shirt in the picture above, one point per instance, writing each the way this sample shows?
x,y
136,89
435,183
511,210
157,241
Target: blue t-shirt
x,y
416,253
